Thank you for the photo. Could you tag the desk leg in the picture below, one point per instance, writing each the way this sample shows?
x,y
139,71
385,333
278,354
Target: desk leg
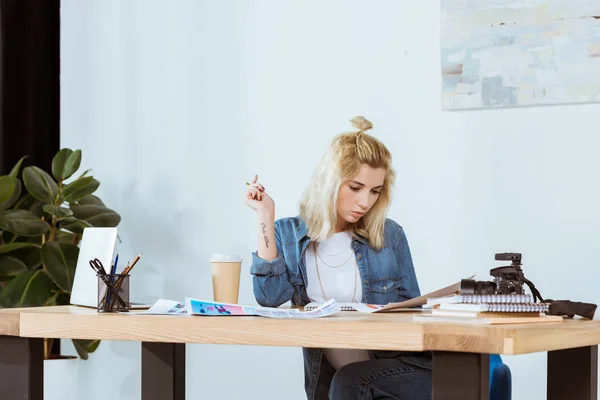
x,y
163,371
21,368
461,376
573,374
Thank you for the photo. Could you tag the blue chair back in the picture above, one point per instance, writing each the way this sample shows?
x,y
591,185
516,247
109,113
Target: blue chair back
x,y
500,379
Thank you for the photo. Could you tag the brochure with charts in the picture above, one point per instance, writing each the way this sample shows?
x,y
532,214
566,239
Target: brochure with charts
x,y
203,307
210,308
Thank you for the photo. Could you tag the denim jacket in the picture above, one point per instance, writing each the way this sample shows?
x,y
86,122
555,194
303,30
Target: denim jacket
x,y
387,276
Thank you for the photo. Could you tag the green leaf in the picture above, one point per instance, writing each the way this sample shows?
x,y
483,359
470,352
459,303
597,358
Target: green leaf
x,y
39,184
58,298
15,171
72,164
65,163
7,248
84,347
59,212
10,266
98,216
7,187
30,203
30,256
58,163
66,237
80,188
23,223
75,225
37,240
8,203
84,173
60,260
51,301
63,299
91,199
29,289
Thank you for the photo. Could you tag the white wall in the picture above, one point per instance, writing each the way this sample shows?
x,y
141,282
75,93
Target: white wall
x,y
176,104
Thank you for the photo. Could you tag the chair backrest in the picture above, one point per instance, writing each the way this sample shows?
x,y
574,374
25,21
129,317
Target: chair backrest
x,y
500,379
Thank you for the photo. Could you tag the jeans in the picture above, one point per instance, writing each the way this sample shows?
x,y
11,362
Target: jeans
x,y
389,379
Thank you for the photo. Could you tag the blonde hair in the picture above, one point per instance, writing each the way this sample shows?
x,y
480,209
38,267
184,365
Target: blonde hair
x,y
342,161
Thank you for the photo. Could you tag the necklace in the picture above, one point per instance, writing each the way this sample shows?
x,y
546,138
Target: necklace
x,y
317,252
327,254
321,283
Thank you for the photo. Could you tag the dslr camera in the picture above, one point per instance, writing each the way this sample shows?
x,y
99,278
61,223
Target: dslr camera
x,y
508,279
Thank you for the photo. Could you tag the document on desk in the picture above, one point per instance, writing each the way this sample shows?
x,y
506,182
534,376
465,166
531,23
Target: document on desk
x,y
203,307
211,308
162,307
404,306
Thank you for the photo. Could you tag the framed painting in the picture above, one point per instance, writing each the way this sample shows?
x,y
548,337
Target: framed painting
x,y
512,53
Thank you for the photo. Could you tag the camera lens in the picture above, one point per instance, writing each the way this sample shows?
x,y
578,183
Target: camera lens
x,y
471,286
467,286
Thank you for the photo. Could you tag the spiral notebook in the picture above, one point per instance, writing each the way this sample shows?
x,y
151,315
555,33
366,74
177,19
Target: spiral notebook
x,y
482,298
344,306
497,307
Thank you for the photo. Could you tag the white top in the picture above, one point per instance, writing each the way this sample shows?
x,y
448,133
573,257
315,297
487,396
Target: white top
x,y
336,266
337,269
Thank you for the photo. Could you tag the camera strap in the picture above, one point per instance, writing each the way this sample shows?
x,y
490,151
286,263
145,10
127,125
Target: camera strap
x,y
563,307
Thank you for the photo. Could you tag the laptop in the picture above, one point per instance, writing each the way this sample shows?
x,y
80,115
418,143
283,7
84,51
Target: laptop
x,y
95,243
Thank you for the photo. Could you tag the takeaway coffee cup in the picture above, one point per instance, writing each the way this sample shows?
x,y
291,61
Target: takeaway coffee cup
x,y
226,271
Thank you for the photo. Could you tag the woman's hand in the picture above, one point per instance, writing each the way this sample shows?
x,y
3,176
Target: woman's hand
x,y
257,199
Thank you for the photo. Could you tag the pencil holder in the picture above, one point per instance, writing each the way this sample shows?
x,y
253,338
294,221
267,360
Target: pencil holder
x,y
113,293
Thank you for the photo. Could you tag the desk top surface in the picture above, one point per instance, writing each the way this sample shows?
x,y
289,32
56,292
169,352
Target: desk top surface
x,y
382,331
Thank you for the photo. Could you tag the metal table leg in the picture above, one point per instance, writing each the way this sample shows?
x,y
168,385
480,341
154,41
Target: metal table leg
x,y
573,374
21,368
163,371
460,376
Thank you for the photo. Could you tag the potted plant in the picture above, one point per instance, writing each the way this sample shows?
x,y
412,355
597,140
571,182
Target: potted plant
x,y
42,218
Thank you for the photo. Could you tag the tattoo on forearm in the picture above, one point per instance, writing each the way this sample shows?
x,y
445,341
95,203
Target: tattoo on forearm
x,y
264,231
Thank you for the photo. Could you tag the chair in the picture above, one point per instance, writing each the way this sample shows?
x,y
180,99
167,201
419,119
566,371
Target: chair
x,y
500,379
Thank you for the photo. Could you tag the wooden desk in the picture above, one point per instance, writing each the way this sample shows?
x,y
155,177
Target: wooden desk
x,y
460,352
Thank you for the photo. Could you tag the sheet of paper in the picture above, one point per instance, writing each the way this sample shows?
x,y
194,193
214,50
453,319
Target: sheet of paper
x,y
328,308
367,308
204,307
421,300
162,307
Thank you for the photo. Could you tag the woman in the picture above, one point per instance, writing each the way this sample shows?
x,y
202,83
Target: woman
x,y
342,246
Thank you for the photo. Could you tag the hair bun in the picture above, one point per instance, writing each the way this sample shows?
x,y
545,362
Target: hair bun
x,y
361,123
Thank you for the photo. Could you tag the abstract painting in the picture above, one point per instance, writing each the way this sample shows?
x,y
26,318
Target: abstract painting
x,y
511,53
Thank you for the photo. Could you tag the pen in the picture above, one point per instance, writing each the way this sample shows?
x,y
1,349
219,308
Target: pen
x,y
114,269
127,270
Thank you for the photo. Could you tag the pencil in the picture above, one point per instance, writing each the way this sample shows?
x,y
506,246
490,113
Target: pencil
x,y
134,262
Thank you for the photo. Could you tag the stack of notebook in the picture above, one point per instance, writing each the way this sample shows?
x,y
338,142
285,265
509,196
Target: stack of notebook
x,y
486,309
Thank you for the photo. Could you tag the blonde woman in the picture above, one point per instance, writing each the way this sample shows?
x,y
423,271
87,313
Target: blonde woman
x,y
342,246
